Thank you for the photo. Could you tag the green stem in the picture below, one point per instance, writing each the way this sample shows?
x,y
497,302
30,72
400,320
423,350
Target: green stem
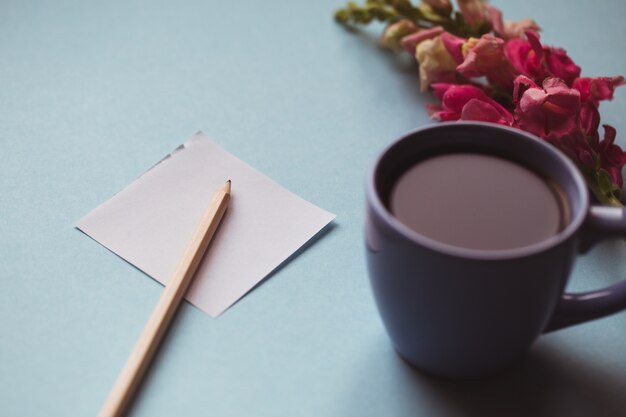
x,y
393,10
608,199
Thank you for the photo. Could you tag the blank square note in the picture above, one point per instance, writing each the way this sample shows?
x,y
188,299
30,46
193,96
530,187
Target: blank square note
x,y
150,221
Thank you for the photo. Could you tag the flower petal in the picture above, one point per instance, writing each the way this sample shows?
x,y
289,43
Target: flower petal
x,y
436,64
410,42
479,110
560,65
516,29
590,120
454,45
486,57
600,88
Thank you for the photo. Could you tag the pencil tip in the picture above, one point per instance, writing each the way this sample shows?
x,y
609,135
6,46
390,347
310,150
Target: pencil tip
x,y
227,187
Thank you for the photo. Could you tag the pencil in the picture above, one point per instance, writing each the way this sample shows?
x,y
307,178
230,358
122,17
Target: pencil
x,y
156,327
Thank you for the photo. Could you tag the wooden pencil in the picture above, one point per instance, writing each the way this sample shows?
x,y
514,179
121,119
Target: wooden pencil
x,y
156,327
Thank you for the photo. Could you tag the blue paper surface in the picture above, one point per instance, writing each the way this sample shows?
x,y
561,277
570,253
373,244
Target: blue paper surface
x,y
92,93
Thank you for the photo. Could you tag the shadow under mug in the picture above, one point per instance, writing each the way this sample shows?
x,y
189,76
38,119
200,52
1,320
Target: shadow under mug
x,y
465,313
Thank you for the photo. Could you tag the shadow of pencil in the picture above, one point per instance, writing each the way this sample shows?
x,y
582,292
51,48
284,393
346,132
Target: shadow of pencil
x,y
176,320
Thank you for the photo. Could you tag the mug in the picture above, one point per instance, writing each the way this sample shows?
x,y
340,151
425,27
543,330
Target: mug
x,y
464,313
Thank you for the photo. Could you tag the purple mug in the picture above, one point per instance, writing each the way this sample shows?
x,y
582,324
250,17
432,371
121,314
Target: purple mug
x,y
465,313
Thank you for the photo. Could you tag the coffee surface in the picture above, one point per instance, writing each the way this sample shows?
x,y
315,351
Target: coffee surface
x,y
478,201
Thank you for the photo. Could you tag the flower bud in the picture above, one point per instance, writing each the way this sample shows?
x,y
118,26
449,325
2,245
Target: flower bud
x,y
436,63
395,32
474,11
516,29
486,57
443,7
410,42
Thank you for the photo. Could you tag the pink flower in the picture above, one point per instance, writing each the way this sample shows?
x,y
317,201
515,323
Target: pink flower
x,y
612,157
454,45
467,102
410,42
539,62
560,65
550,112
597,89
577,149
481,57
590,120
436,64
526,57
592,91
486,57
556,113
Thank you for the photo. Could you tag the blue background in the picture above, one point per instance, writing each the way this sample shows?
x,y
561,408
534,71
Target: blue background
x,y
94,93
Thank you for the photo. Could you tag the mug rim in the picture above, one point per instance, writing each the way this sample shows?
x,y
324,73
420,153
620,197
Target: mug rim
x,y
396,225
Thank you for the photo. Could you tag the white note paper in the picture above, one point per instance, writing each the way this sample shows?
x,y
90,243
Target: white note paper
x,y
150,222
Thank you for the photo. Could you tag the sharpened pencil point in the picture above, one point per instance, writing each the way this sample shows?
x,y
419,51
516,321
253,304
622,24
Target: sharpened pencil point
x,y
226,187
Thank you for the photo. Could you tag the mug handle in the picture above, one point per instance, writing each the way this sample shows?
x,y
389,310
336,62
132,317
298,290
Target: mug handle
x,y
573,308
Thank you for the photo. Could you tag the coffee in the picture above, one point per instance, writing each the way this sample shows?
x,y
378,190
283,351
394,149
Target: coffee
x,y
478,201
